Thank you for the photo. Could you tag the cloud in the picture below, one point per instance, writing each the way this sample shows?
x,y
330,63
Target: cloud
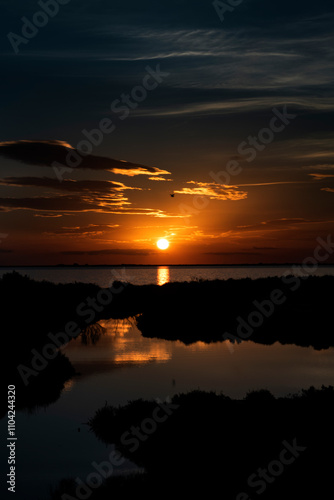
x,y
61,154
132,171
150,211
91,186
76,203
318,154
95,196
41,153
329,190
90,229
61,203
230,253
266,248
271,183
159,179
321,166
242,55
279,224
240,106
110,251
214,191
48,215
319,177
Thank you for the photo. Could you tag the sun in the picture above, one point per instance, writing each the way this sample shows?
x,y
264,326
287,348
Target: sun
x,y
163,244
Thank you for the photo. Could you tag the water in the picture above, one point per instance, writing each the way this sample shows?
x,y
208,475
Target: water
x,y
104,276
123,366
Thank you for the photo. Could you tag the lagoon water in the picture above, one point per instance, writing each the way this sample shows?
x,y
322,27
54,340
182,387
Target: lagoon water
x,y
122,365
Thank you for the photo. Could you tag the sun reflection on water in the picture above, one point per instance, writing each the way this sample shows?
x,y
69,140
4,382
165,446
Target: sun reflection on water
x,y
162,275
121,344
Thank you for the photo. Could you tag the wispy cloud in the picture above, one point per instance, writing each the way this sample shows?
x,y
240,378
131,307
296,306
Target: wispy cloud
x,y
160,179
111,251
65,204
318,154
89,230
321,166
320,177
274,183
279,224
90,186
267,248
254,58
217,254
50,215
214,191
61,203
240,106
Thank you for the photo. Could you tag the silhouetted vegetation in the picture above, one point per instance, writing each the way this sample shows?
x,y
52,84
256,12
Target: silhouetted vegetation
x,y
129,484
212,444
92,334
207,310
30,310
45,388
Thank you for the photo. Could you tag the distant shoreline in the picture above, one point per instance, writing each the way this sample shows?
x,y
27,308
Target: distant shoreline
x,y
77,266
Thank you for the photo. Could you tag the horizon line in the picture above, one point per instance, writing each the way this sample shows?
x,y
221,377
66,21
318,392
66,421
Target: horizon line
x,y
166,265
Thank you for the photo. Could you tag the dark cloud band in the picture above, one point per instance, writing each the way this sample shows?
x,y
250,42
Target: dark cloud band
x,y
61,154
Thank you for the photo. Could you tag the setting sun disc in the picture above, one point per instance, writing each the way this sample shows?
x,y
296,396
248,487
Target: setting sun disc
x,y
163,244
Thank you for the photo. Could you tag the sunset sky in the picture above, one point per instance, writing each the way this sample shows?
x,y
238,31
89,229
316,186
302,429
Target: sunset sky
x,y
234,116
